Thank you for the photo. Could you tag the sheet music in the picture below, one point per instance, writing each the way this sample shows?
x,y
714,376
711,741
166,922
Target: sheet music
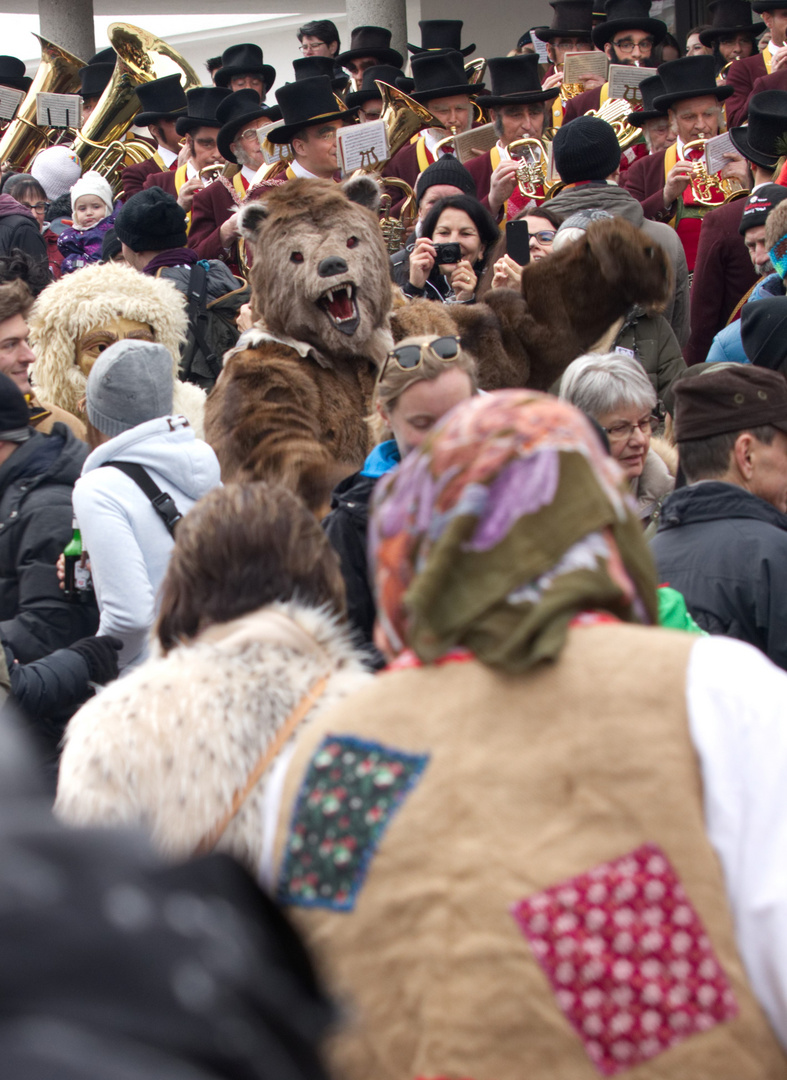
x,y
272,151
361,146
481,138
541,49
59,110
577,66
10,100
624,83
715,149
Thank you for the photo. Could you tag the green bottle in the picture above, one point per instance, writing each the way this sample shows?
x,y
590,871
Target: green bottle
x,y
78,581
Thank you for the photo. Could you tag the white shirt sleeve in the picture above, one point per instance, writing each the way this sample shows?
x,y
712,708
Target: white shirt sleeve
x,y
737,704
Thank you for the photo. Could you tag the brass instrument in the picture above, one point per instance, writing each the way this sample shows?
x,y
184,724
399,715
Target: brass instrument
x,y
721,78
142,57
58,73
616,111
569,90
395,229
531,171
703,183
211,172
475,70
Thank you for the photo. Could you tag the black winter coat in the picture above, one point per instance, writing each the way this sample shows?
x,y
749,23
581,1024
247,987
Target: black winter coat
x,y
19,230
726,551
346,527
35,526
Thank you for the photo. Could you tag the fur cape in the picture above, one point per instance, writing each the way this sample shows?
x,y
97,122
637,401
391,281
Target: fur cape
x,y
83,301
167,746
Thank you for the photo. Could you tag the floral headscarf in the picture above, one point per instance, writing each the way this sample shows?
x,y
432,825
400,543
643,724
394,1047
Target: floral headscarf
x,y
510,520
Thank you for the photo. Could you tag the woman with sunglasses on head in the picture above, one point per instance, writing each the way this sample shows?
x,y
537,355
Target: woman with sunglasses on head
x,y
614,390
420,381
462,220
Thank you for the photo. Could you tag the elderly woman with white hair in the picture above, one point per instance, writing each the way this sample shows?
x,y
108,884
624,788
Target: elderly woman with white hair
x,y
615,391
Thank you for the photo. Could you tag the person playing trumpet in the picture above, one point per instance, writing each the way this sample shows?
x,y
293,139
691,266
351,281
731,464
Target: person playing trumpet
x,y
570,31
662,182
200,128
519,110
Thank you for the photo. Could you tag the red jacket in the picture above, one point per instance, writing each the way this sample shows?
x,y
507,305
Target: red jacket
x,y
742,76
165,180
211,208
582,103
723,272
134,176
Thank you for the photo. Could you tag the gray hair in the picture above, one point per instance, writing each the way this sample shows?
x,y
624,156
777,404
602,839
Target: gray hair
x,y
600,383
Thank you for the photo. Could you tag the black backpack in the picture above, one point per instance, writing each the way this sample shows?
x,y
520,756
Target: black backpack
x,y
212,328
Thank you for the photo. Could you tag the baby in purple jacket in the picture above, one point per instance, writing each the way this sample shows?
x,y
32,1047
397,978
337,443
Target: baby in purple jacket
x,y
93,215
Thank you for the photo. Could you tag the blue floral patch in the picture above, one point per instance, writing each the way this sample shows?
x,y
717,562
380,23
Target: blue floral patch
x,y
350,793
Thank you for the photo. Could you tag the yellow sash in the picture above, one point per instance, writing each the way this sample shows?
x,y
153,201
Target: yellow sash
x,y
420,153
160,162
604,94
670,160
494,160
290,175
557,112
237,183
767,59
180,180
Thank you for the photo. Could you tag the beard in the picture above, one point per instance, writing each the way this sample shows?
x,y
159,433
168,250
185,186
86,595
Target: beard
x,y
765,268
646,61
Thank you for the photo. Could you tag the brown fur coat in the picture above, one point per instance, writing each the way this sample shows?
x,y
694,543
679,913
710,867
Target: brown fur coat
x,y
292,401
568,301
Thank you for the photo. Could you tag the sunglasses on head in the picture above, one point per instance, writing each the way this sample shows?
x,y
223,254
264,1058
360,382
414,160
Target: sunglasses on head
x,y
409,357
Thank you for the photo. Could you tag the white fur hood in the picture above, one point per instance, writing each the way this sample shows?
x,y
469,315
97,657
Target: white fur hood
x,y
168,745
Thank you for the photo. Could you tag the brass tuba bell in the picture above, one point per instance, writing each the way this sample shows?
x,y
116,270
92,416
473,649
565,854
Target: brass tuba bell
x,y
616,112
142,57
58,73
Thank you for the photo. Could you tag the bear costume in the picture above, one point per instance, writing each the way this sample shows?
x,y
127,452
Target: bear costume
x,y
292,401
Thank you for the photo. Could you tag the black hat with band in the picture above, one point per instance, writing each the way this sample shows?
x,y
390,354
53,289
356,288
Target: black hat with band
x,y
730,17
627,15
572,18
203,101
650,88
690,77
441,34
305,103
161,99
515,81
764,140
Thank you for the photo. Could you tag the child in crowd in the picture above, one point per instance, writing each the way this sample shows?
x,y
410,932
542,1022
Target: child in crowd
x,y
93,216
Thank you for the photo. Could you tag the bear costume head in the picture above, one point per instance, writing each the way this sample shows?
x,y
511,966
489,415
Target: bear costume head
x,y
321,270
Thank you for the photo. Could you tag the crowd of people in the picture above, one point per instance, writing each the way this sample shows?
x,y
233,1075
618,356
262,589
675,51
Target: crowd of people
x,y
361,533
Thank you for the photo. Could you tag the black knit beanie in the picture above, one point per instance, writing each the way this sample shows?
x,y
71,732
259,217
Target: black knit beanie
x,y
446,170
151,220
763,329
585,149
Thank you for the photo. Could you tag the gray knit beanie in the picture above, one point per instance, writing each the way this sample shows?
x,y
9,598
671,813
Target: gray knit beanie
x,y
129,384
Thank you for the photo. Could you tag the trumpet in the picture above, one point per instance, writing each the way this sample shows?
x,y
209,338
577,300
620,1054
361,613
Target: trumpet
x,y
705,184
531,171
211,172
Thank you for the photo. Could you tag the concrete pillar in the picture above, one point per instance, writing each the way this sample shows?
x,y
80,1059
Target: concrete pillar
x,y
392,14
69,25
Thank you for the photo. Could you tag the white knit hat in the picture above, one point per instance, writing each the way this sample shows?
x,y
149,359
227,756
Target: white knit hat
x,y
56,169
92,183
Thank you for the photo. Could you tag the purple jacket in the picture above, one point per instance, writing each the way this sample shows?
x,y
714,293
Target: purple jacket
x,y
82,248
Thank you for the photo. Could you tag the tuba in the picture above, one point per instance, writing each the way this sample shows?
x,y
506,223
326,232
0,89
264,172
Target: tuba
x,y
475,70
58,73
616,111
703,183
142,57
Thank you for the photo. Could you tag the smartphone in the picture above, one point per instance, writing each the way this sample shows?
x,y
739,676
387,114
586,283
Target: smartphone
x,y
447,254
518,241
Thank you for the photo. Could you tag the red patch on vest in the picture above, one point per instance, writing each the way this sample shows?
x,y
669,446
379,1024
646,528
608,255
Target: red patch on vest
x,y
631,964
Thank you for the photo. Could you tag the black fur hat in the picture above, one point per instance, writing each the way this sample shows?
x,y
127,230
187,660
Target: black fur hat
x,y
151,220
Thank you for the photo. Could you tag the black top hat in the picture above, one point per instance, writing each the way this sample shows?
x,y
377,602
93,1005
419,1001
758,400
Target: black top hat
x,y
689,77
651,88
161,99
371,41
203,101
438,74
572,18
103,56
441,34
627,15
515,81
94,79
244,59
764,141
766,5
304,103
309,66
730,17
233,112
12,73
369,90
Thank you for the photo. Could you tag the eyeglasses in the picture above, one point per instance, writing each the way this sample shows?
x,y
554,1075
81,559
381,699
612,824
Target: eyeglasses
x,y
249,133
627,45
409,357
622,432
544,237
39,206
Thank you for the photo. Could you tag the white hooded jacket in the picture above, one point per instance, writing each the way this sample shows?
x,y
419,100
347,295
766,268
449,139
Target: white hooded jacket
x,y
128,543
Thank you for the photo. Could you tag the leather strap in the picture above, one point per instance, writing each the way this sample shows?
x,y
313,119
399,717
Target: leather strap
x,y
307,702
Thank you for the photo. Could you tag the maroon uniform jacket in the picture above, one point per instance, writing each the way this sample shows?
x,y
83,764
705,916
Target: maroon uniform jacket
x,y
645,181
582,103
211,208
777,80
742,76
134,176
480,169
403,165
723,273
164,180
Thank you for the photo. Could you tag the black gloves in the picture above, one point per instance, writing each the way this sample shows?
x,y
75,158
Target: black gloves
x,y
101,656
